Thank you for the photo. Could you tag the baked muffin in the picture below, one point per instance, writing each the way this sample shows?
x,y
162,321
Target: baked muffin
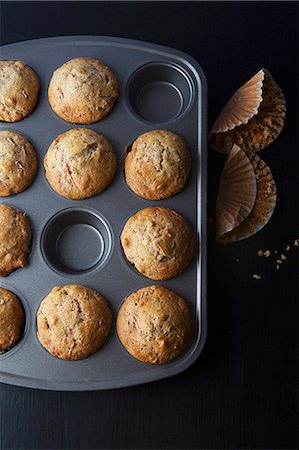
x,y
73,322
157,165
158,242
11,320
18,163
80,163
83,90
19,86
154,325
15,237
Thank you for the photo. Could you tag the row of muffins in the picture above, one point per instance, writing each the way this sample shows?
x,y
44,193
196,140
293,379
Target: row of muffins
x,y
81,163
157,241
154,324
83,90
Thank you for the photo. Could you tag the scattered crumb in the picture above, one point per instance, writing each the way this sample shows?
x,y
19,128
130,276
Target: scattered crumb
x,y
277,266
260,253
288,248
237,260
256,276
296,243
283,257
279,261
275,251
267,253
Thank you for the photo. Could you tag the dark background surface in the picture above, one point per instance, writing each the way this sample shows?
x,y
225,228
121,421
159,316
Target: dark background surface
x,y
241,393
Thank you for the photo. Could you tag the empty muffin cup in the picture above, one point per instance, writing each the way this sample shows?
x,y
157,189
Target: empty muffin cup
x,y
160,92
77,241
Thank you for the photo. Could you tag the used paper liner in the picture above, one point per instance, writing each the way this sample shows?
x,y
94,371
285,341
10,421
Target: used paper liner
x,y
264,204
251,124
243,105
237,192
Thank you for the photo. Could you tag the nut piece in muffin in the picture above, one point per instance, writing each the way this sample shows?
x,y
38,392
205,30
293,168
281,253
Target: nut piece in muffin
x,y
80,163
157,165
19,86
15,237
155,325
73,322
83,90
11,320
158,242
18,163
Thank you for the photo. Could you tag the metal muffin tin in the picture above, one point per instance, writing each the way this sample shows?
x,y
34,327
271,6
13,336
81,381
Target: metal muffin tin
x,y
77,242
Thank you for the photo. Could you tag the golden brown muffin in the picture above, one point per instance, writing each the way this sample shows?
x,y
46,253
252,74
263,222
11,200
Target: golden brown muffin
x,y
15,237
154,325
73,322
80,163
19,86
157,165
18,163
11,320
159,242
83,90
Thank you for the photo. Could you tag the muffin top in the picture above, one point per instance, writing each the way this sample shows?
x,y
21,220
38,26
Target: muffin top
x,y
157,165
19,86
159,242
80,163
15,237
11,320
73,322
18,163
83,90
154,324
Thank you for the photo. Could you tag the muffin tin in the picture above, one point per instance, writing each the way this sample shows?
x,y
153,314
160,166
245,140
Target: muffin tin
x,y
77,242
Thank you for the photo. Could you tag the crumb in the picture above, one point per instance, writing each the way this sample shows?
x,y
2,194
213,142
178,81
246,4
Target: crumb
x,y
296,243
256,276
283,257
277,266
279,261
260,253
267,253
275,251
237,260
288,248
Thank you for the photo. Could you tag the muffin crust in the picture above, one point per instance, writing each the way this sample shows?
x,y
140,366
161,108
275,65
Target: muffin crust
x,y
19,86
11,320
80,163
159,242
83,90
155,325
15,237
157,165
18,163
73,322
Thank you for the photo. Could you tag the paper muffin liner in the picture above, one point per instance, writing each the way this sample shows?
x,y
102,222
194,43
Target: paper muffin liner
x,y
237,192
264,204
253,117
242,106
